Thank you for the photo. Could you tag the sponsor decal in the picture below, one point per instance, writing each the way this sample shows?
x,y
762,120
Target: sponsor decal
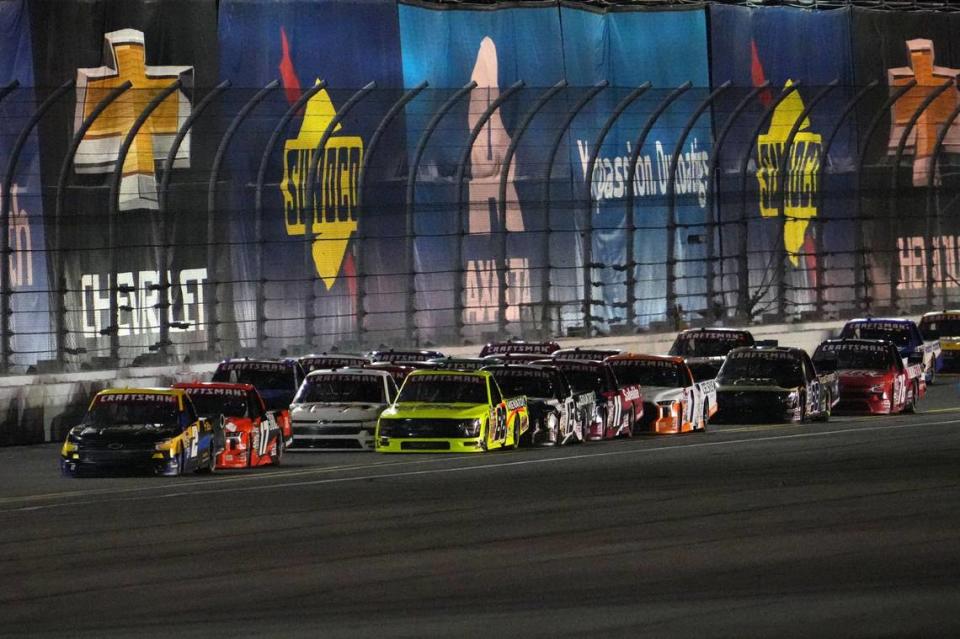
x,y
131,398
403,356
631,393
646,363
214,391
855,348
714,336
885,326
524,373
330,362
944,268
921,55
516,403
446,378
335,377
21,242
125,54
332,210
539,348
763,354
268,367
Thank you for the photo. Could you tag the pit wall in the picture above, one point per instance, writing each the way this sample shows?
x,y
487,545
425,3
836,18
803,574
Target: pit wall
x,y
42,408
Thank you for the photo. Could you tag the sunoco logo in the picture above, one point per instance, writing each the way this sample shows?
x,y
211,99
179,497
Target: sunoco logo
x,y
332,211
800,182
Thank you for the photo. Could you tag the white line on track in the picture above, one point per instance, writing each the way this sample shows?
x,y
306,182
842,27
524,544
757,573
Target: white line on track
x,y
208,488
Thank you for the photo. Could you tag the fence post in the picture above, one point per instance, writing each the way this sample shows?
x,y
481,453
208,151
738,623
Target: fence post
x,y
410,201
782,168
588,183
525,121
5,195
312,177
862,266
213,334
112,210
894,175
631,265
714,184
931,185
164,287
745,300
821,174
261,178
60,321
547,199
361,205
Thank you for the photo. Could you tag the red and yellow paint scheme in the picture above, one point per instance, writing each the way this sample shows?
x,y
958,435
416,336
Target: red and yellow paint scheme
x,y
252,436
277,381
672,401
619,406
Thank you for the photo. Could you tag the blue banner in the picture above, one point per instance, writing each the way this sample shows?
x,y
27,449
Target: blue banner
x,y
628,47
785,47
30,322
347,45
461,230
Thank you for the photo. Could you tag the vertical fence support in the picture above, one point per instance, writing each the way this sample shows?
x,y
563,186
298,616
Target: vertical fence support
x,y
746,301
894,179
502,221
548,200
821,174
112,210
5,288
631,265
525,121
315,167
672,193
458,302
588,264
60,321
392,113
782,167
410,202
862,266
278,130
163,306
931,185
213,333
712,203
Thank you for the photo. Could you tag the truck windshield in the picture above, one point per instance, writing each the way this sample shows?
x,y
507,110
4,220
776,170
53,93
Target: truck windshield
x,y
709,343
860,358
233,404
531,383
897,333
774,370
444,389
651,373
937,328
584,380
120,410
341,388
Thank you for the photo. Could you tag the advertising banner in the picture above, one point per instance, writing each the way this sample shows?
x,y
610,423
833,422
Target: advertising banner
x,y
30,322
909,210
495,46
791,217
627,47
312,251
101,45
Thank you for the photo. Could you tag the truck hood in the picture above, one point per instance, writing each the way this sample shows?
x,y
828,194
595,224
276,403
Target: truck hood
x,y
413,410
661,393
344,412
756,386
135,433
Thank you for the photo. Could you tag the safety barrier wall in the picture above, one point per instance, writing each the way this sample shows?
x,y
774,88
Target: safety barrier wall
x,y
208,179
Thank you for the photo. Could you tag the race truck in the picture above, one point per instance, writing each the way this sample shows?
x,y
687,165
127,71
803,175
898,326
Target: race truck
x,y
451,411
252,436
518,350
778,384
872,376
944,328
403,357
153,430
318,361
672,401
277,381
905,335
338,409
558,414
619,406
705,349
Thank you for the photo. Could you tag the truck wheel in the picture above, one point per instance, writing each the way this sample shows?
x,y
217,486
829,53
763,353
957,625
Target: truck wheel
x,y
824,415
516,433
706,417
911,406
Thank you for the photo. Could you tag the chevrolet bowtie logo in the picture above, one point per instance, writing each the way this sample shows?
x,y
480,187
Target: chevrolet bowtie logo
x,y
333,212
800,182
924,135
98,151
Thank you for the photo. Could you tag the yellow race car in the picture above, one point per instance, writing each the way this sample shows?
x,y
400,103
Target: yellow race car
x,y
451,411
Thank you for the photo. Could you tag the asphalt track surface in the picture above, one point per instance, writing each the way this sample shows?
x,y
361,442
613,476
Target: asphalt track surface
x,y
850,528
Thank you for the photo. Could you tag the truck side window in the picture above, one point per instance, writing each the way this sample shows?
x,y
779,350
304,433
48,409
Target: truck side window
x,y
495,396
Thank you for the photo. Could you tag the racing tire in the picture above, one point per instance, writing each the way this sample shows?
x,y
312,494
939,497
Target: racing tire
x,y
911,406
824,415
181,463
515,444
631,424
933,373
483,440
803,408
706,418
211,466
